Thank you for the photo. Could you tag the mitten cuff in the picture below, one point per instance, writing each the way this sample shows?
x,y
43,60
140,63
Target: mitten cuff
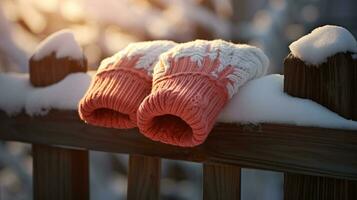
x,y
182,109
114,97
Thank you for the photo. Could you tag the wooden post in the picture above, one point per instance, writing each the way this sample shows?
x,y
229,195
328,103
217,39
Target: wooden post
x,y
298,187
221,182
334,85
60,174
144,177
49,69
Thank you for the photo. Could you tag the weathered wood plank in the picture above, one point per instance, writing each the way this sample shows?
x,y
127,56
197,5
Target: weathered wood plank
x,y
297,186
314,151
60,174
221,182
331,83
144,177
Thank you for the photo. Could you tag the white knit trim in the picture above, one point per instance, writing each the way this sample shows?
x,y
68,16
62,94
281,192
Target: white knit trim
x,y
249,62
148,51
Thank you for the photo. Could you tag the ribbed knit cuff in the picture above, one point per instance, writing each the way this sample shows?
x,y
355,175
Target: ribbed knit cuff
x,y
113,99
181,110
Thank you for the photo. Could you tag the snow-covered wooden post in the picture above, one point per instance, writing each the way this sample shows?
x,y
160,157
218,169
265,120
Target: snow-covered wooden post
x,y
55,58
322,67
59,173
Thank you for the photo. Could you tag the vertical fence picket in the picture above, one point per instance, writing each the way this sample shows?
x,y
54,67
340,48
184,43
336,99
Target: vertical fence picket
x,y
297,186
144,177
60,174
221,182
331,84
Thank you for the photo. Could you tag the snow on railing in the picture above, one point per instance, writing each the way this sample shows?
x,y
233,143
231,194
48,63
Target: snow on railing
x,y
317,162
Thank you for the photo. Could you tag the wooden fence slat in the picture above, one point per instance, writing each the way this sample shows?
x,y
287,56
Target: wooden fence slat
x,y
221,182
277,147
144,177
60,174
297,186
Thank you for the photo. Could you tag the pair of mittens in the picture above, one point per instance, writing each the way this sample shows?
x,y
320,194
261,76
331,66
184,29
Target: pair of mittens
x,y
190,84
121,83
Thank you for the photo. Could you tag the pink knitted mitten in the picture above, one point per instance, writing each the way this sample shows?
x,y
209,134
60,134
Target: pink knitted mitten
x,y
121,83
191,84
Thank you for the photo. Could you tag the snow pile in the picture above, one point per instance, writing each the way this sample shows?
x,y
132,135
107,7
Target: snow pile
x,y
13,90
260,100
62,43
323,42
263,100
63,95
18,94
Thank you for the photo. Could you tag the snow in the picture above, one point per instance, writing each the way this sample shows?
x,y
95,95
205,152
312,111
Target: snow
x,y
17,94
323,42
262,184
13,90
64,95
62,43
259,100
263,100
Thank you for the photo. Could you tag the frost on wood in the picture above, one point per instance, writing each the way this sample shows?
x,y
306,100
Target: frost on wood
x,y
62,43
323,42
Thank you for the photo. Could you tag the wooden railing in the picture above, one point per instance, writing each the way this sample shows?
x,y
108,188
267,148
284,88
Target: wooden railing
x,y
318,163
61,143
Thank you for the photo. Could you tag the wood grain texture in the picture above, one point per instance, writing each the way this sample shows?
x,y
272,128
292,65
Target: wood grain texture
x,y
354,89
221,182
60,174
332,84
50,70
287,148
297,187
144,177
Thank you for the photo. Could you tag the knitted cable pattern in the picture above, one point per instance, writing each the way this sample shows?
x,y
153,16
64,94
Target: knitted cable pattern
x,y
191,84
121,83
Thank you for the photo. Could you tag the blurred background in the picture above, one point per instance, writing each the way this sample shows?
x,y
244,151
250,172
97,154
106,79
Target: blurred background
x,y
103,27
